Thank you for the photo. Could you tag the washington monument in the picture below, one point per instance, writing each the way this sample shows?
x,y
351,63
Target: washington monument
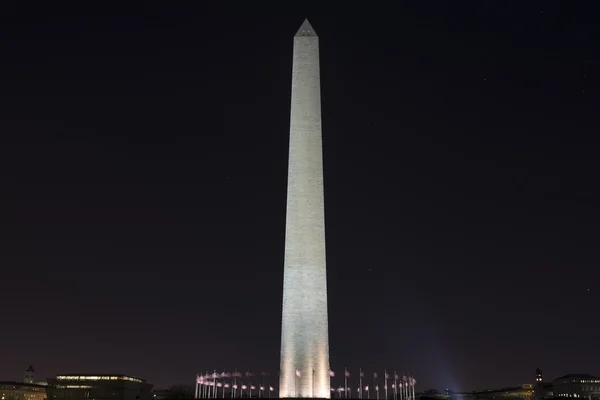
x,y
304,332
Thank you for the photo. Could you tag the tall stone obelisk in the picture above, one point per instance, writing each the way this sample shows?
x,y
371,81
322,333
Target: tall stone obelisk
x,y
305,333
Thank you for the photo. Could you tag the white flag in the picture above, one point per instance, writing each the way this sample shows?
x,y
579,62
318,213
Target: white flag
x,y
298,374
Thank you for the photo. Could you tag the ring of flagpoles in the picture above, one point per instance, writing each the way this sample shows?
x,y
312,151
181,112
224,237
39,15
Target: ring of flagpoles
x,y
232,385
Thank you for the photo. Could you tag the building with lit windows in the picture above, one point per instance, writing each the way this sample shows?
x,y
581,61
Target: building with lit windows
x,y
577,386
523,392
22,391
98,387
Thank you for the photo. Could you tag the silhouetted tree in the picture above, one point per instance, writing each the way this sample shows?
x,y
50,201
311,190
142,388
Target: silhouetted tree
x,y
181,391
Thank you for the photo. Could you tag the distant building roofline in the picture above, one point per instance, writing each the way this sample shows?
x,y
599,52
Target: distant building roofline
x,y
21,384
577,376
98,377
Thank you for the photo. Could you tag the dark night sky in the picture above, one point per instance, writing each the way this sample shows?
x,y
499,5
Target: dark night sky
x,y
143,161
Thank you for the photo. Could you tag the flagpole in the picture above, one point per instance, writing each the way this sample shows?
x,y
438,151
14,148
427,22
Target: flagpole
x,y
360,383
401,387
313,383
385,378
214,392
206,385
345,383
402,392
375,385
234,383
395,385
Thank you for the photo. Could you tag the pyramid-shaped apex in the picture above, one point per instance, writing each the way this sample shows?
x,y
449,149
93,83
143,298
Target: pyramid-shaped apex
x,y
306,30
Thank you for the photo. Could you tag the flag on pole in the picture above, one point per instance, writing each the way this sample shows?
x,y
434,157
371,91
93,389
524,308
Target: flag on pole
x,y
227,385
367,388
235,386
362,374
387,376
375,375
244,387
271,388
219,384
298,374
262,388
252,387
396,376
331,373
377,388
347,373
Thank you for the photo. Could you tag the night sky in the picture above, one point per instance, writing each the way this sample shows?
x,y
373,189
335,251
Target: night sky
x,y
143,161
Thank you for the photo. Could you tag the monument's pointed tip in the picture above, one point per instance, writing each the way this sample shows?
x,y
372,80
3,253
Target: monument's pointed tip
x,y
306,30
